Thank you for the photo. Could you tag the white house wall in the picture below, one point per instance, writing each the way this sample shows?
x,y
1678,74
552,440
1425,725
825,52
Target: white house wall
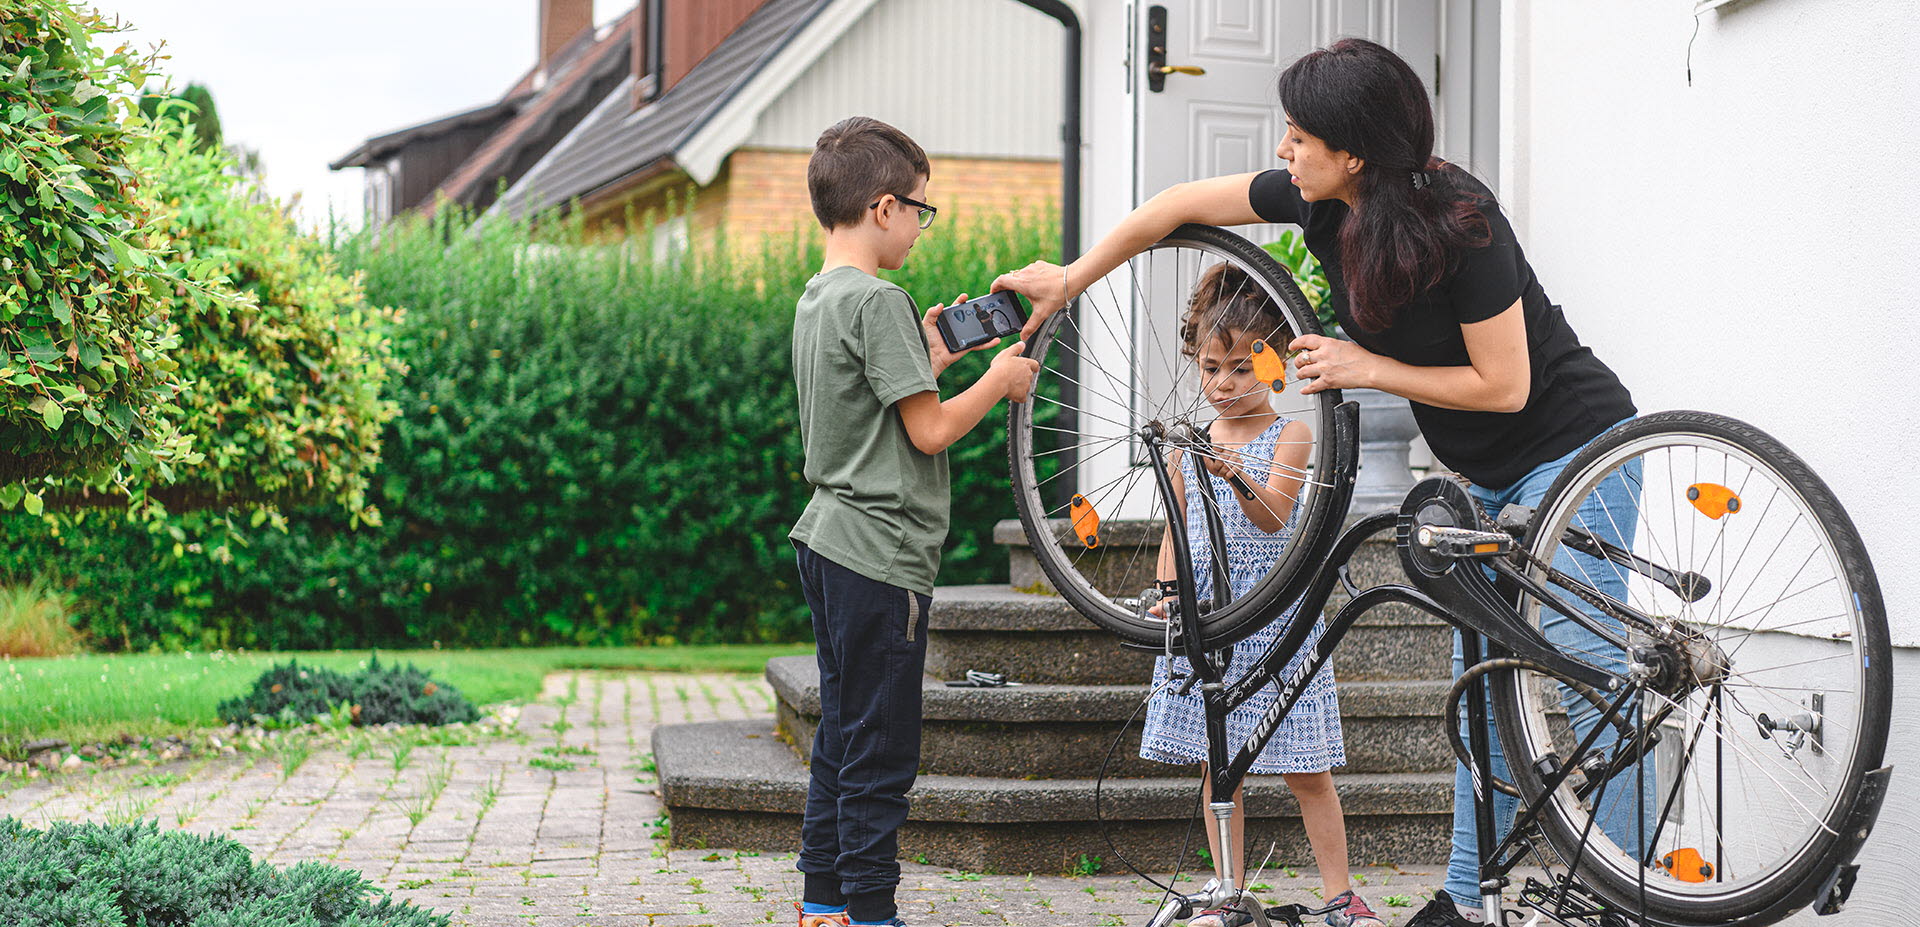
x,y
1746,245
977,78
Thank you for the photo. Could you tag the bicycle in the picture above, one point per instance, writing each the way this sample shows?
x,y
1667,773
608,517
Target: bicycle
x,y
1714,569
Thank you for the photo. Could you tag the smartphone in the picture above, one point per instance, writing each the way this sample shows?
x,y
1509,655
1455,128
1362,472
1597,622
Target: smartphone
x,y
978,321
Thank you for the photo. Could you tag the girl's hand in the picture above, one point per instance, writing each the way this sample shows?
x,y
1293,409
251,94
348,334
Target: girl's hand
x,y
937,352
1045,287
1329,363
1218,465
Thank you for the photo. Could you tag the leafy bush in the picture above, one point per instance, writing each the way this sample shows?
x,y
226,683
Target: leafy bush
x,y
88,874
283,386
405,694
84,377
590,449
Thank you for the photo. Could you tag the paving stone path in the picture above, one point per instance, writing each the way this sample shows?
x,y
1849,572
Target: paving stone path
x,y
565,827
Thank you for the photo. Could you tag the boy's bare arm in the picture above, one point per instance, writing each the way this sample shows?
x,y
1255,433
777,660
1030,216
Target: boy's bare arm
x,y
934,425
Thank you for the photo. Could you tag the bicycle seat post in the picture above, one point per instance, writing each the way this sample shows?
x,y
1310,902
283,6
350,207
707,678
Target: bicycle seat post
x,y
1223,860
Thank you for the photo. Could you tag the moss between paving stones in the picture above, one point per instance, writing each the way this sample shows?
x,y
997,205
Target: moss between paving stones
x,y
135,874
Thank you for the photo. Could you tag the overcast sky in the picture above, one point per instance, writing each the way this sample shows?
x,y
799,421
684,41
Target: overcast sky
x,y
304,83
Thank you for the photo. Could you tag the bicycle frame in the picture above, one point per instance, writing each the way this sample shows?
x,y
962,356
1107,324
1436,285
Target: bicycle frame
x,y
1463,597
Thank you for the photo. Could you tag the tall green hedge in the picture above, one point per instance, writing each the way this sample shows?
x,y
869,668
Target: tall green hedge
x,y
589,449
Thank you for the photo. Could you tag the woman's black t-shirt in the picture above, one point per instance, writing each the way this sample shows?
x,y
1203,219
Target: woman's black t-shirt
x,y
1573,397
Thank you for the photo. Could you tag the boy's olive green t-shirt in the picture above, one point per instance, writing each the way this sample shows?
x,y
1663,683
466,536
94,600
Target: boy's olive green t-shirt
x,y
879,505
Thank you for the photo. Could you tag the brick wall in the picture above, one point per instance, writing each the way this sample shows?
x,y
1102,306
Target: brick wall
x,y
761,192
769,190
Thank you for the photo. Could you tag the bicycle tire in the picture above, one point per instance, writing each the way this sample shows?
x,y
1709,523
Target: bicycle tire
x,y
1050,537
1793,880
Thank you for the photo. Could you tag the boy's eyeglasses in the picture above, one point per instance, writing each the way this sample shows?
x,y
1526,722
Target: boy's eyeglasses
x,y
926,212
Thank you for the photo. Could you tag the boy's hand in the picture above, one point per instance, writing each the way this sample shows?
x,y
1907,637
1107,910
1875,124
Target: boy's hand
x,y
937,352
1017,371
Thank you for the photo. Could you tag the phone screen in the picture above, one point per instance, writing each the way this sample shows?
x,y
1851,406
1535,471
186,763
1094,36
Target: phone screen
x,y
979,321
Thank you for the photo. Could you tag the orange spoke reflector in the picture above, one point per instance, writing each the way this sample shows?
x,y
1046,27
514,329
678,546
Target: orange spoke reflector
x,y
1269,365
1713,500
1687,865
1086,521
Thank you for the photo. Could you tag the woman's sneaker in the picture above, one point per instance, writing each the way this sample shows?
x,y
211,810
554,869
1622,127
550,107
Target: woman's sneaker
x,y
1440,912
1354,912
832,919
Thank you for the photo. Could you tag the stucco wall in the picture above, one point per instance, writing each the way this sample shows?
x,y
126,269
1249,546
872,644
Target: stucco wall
x,y
1747,245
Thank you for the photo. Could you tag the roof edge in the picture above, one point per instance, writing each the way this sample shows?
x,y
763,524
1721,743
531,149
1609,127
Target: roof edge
x,y
705,144
379,145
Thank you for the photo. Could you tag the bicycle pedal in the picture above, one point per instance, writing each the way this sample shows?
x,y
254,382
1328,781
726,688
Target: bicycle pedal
x,y
1463,543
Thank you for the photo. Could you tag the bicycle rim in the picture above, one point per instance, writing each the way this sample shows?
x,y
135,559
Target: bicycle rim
x,y
1113,365
1770,695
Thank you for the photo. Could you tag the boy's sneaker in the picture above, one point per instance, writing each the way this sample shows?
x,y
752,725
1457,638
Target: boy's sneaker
x,y
896,922
1354,912
833,919
1440,912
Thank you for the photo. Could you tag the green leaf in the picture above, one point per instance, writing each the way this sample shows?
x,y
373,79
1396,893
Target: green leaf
x,y
53,415
34,504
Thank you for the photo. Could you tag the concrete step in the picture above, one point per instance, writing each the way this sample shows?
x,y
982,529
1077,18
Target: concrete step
x,y
1029,637
1065,732
735,784
1040,638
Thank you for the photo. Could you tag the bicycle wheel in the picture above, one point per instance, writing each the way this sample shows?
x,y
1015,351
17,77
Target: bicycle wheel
x,y
1114,365
1769,688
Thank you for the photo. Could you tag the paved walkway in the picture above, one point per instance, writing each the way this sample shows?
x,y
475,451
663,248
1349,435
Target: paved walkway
x,y
564,828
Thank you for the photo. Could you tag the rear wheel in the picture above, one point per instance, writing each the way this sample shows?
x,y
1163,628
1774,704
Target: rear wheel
x,y
1769,685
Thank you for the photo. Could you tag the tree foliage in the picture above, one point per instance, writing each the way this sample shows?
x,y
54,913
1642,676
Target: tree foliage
x,y
84,373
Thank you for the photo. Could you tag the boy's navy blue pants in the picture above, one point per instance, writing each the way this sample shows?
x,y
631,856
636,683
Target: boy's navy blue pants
x,y
871,641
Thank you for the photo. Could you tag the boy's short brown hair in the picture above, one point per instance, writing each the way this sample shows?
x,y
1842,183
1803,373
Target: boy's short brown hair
x,y
856,161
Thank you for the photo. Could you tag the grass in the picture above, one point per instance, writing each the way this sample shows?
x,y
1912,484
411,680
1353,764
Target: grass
x,y
97,697
35,622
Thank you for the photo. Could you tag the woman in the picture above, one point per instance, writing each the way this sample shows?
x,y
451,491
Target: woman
x,y
1443,309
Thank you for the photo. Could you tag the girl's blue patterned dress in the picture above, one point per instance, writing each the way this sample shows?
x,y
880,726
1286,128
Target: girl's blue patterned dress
x,y
1309,740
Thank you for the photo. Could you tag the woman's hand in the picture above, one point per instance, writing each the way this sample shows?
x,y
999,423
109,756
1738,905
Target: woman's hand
x,y
1045,287
937,352
1329,363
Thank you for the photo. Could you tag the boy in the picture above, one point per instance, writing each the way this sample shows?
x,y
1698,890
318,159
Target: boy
x,y
876,433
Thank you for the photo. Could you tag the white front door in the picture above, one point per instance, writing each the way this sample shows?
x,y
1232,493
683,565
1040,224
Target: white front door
x,y
1228,119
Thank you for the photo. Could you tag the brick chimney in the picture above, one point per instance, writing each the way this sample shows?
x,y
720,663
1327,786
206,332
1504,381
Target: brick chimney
x,y
561,21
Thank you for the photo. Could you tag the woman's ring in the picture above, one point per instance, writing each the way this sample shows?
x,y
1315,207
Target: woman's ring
x,y
1307,356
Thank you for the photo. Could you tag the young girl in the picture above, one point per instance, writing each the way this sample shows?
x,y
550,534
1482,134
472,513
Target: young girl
x,y
1226,315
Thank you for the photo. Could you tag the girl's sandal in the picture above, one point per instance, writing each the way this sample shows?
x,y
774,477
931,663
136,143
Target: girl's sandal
x,y
1354,912
1221,917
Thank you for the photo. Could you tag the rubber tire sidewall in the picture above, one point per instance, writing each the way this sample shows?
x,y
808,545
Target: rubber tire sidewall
x,y
1258,608
1795,885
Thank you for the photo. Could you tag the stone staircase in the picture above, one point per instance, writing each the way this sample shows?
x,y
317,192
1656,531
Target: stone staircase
x,y
1007,775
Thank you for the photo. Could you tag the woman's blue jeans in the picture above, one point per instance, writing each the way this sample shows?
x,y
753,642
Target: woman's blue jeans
x,y
1608,511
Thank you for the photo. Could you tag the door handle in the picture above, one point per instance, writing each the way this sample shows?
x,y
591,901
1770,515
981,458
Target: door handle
x,y
1181,69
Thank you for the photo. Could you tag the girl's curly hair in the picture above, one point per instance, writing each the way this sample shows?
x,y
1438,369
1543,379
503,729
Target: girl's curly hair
x,y
1226,301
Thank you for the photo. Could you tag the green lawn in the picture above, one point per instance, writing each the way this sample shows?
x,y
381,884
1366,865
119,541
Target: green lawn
x,y
97,697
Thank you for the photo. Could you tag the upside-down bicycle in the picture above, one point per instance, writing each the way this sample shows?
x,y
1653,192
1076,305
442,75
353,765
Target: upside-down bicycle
x,y
1710,755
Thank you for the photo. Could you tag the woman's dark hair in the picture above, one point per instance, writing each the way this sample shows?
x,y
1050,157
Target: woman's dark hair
x,y
1226,302
1412,213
